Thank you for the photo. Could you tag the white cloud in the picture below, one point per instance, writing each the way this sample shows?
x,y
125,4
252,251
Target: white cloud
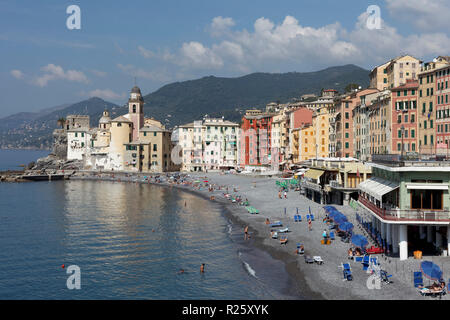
x,y
17,74
221,25
196,55
106,94
288,45
54,72
424,14
146,53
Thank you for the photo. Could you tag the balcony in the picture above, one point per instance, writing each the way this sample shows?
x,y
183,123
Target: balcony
x,y
412,216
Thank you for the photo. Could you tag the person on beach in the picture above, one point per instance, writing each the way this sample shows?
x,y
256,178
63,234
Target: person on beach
x,y
285,194
279,194
309,224
246,233
325,236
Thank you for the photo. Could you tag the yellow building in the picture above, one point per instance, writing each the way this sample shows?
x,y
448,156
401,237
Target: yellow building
x,y
321,126
426,108
307,143
151,152
121,134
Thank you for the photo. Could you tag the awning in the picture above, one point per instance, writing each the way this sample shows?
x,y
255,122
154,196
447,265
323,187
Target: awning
x,y
426,186
313,174
377,187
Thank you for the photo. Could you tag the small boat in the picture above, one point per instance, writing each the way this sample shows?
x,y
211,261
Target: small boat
x,y
274,235
284,230
283,239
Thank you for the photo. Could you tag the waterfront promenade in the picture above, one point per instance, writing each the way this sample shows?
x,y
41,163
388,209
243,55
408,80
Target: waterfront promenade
x,y
315,281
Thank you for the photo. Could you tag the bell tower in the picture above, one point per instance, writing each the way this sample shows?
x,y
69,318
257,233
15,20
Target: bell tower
x,y
136,110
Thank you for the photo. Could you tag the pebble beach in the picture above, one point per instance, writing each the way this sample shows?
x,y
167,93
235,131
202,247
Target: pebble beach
x,y
314,281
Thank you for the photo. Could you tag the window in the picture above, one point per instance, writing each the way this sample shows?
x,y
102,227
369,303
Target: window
x,y
155,147
413,118
154,134
399,146
431,124
347,125
413,133
399,133
346,145
413,147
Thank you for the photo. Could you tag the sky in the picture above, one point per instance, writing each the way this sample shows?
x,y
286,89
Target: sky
x,y
45,63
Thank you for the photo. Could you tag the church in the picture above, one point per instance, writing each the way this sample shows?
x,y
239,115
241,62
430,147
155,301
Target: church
x,y
129,143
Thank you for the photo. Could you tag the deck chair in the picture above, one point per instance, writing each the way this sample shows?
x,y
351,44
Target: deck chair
x,y
308,259
385,277
312,217
366,262
299,218
418,279
332,237
318,259
358,258
308,217
300,250
347,271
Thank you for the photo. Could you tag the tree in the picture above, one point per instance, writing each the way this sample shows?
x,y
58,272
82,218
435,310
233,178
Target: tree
x,y
351,86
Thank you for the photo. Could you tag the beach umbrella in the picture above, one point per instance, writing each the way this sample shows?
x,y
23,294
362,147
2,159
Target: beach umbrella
x,y
346,226
431,270
359,240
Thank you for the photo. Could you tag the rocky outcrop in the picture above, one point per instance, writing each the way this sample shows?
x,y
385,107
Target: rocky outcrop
x,y
52,162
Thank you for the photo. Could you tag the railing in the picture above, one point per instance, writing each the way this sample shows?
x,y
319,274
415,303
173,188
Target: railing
x,y
335,184
406,215
310,185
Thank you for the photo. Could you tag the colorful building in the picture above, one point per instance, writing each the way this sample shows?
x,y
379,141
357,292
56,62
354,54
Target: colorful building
x,y
404,129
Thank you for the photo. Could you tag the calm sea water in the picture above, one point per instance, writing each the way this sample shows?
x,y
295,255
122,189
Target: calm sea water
x,y
129,240
11,159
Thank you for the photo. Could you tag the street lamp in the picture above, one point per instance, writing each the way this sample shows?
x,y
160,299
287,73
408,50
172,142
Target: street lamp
x,y
403,131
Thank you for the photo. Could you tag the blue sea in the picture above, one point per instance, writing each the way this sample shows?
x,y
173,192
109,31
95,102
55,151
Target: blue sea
x,y
11,159
129,241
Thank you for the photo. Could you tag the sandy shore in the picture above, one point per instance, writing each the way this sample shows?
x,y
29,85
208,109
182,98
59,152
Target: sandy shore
x,y
313,281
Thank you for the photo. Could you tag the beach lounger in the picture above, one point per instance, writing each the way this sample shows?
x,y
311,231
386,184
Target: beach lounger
x,y
309,260
276,224
358,258
283,239
433,293
418,279
297,218
347,271
385,277
312,217
318,259
300,250
308,217
332,235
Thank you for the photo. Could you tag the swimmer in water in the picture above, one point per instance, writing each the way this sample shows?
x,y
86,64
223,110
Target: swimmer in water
x,y
202,268
181,271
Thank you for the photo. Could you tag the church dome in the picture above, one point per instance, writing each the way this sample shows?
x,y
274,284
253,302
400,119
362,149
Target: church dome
x,y
136,89
105,117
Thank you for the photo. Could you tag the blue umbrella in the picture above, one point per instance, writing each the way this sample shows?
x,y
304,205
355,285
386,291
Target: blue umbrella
x,y
359,240
346,226
431,270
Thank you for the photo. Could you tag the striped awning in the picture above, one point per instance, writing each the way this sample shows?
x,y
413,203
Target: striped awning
x,y
377,187
313,174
